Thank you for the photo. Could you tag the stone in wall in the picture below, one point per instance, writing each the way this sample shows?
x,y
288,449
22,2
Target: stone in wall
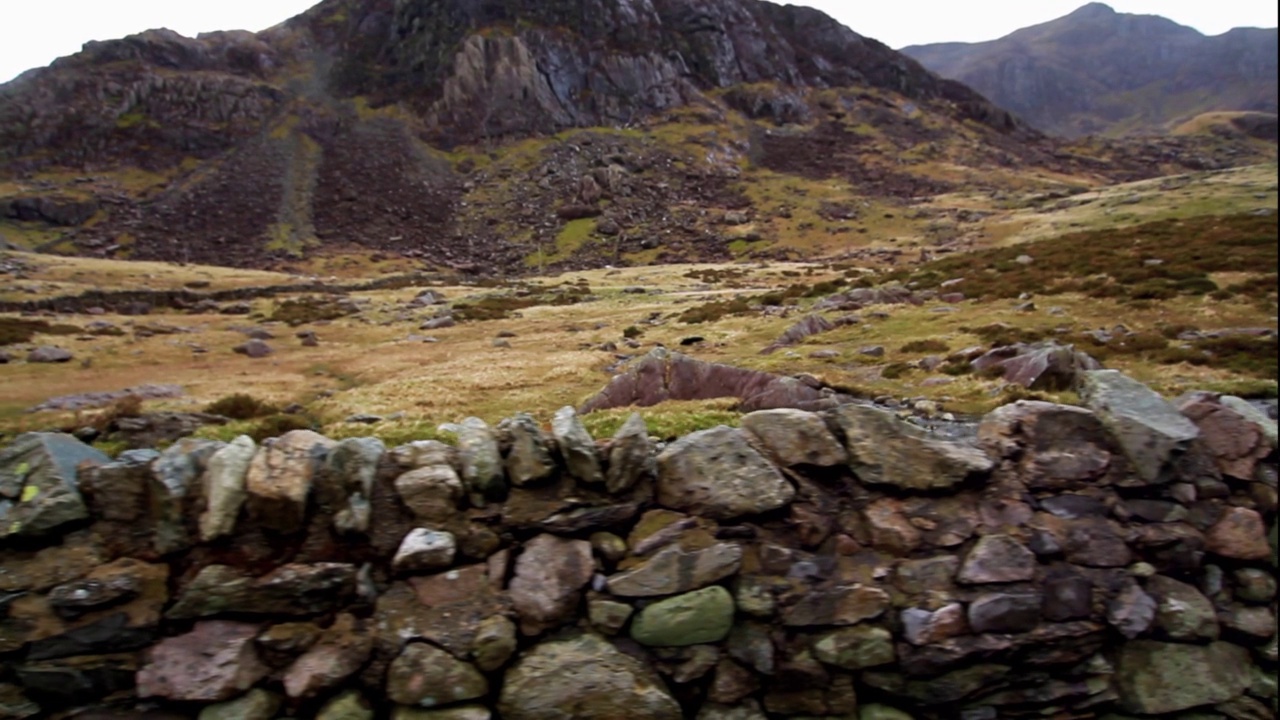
x,y
39,485
280,477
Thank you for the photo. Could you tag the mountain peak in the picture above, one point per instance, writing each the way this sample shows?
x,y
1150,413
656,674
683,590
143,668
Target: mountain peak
x,y
1099,71
1094,11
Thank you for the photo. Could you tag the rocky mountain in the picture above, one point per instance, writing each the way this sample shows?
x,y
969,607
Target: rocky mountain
x,y
1100,71
500,135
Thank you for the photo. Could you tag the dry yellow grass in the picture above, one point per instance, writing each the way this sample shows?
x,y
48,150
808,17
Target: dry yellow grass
x,y
369,364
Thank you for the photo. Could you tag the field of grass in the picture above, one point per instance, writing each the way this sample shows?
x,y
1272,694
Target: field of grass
x,y
555,353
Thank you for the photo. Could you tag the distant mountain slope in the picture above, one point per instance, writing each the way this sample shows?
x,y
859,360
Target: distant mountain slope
x,y
1099,71
510,134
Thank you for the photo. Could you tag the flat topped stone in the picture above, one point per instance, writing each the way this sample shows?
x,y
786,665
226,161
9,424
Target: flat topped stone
x,y
1149,430
884,450
795,437
716,473
673,570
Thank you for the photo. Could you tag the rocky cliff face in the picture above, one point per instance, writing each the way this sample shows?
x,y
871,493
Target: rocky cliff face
x,y
1099,71
437,130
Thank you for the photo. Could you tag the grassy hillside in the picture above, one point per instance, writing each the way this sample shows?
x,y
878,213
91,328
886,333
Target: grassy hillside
x,y
1167,259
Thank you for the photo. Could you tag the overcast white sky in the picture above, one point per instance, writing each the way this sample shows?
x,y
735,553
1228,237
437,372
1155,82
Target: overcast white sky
x,y
35,32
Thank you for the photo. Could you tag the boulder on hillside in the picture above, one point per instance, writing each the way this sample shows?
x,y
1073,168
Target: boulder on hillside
x,y
810,325
663,375
1038,366
49,354
858,298
254,348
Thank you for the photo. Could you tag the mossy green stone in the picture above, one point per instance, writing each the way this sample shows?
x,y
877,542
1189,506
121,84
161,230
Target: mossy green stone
x,y
702,616
882,712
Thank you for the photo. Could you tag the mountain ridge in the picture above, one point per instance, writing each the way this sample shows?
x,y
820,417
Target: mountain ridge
x,y
1099,71
506,135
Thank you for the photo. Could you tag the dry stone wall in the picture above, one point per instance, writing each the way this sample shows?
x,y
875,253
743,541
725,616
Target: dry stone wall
x,y
1111,560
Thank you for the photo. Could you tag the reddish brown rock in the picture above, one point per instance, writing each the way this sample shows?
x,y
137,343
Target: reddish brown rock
x,y
1048,446
1040,366
400,615
1236,443
731,683
340,652
891,531
1239,534
663,375
548,582
215,661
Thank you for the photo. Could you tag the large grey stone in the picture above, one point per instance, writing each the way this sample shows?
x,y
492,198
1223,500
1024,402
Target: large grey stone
x,y
576,446
884,450
352,467
586,678
529,459
674,570
482,469
795,437
1155,677
1132,611
280,478
716,473
39,490
1005,612
424,550
1149,430
224,487
631,455
174,484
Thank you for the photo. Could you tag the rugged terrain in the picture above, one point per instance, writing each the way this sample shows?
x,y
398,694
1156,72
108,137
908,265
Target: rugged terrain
x,y
517,137
1171,280
1099,71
